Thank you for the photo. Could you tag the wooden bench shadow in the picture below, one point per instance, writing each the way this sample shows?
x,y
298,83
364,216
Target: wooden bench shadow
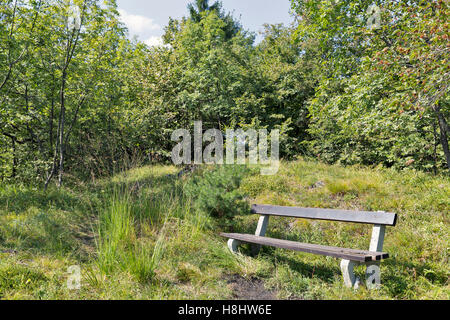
x,y
322,272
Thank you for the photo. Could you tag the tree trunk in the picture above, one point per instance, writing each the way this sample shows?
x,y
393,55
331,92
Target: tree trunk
x,y
61,131
14,168
444,129
60,141
51,119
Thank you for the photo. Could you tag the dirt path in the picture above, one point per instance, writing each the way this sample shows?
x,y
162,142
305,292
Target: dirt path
x,y
250,289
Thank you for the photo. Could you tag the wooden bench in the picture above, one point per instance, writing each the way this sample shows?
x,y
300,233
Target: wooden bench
x,y
349,257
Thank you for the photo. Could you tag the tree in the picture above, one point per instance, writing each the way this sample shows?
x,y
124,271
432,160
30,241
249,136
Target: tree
x,y
390,88
15,34
288,76
61,88
195,9
200,8
338,29
416,53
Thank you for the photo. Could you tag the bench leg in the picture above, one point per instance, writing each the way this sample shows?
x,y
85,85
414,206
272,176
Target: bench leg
x,y
350,280
260,232
233,245
373,276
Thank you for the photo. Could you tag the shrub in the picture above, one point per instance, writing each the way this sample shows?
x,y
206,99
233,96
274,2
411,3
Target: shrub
x,y
216,192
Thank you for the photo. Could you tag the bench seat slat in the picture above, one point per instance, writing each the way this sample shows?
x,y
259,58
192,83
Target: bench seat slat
x,y
349,254
367,217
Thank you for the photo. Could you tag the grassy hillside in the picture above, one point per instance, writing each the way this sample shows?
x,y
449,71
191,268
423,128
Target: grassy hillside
x,y
147,234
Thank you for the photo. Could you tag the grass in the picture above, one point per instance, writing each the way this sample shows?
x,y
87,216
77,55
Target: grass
x,y
138,235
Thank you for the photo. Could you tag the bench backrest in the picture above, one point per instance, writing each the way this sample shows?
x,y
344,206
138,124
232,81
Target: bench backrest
x,y
366,217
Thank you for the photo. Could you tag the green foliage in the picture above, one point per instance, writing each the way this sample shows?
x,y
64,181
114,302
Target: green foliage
x,y
216,192
288,74
60,86
383,98
87,102
231,26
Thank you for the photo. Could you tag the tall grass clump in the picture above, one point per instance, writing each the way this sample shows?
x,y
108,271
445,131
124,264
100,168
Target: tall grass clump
x,y
115,232
119,248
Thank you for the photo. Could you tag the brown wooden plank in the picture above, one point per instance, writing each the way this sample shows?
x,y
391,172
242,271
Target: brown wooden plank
x,y
344,253
367,217
376,256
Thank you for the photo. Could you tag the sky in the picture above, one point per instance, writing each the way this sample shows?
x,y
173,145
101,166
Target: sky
x,y
146,19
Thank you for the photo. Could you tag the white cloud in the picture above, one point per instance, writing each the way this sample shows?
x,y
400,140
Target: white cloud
x,y
137,24
154,41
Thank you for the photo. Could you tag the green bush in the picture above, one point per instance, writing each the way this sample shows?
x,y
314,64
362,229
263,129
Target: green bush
x,y
216,192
